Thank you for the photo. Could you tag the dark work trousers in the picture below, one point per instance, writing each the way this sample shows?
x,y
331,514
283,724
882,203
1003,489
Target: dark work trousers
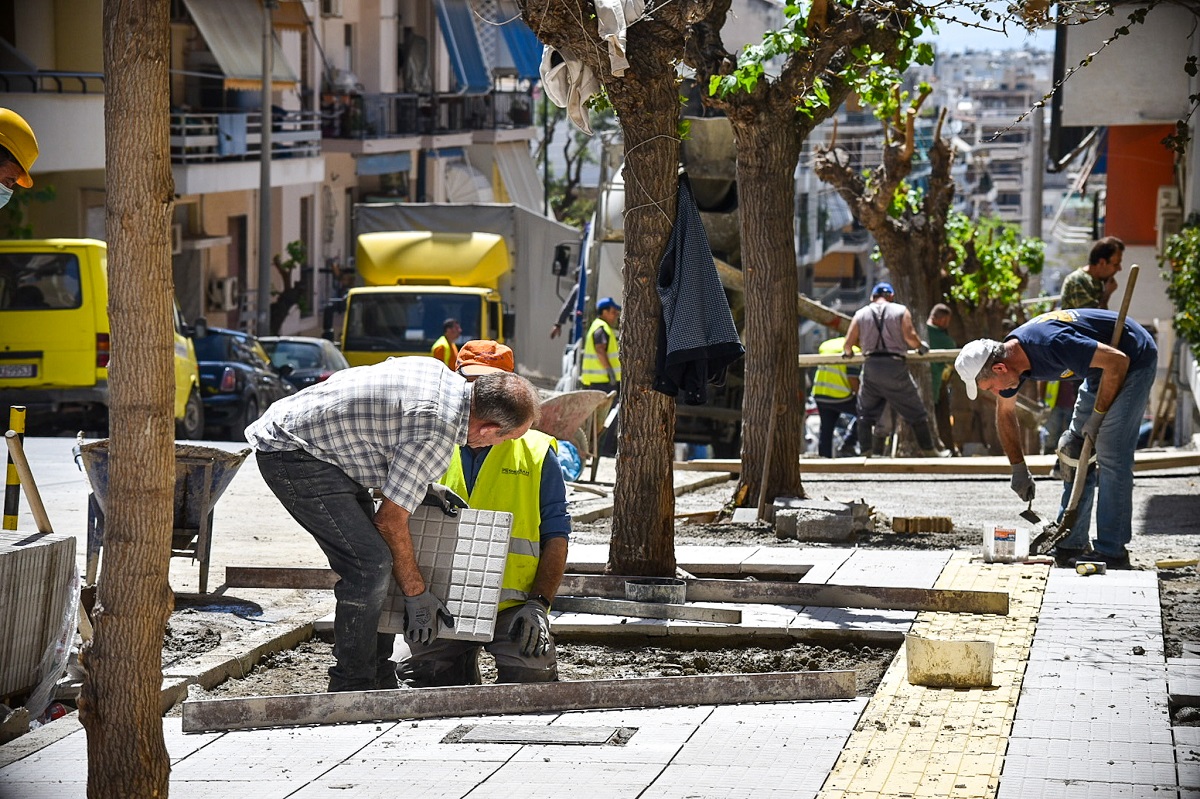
x,y
608,441
339,513
830,410
885,380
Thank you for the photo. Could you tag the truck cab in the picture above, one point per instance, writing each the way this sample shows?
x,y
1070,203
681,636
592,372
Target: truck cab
x,y
382,321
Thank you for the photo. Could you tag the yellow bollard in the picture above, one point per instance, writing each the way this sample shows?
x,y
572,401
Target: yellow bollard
x,y
12,482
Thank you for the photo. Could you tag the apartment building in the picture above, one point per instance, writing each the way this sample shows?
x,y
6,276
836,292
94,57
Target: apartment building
x,y
410,100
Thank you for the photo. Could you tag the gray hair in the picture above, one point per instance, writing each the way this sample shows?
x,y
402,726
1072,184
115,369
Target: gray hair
x,y
997,355
505,399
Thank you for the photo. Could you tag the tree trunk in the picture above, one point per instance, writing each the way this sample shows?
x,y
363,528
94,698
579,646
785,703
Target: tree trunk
x,y
643,528
120,704
766,159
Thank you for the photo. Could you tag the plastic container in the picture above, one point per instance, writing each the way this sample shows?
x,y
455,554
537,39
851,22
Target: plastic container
x,y
939,663
1005,543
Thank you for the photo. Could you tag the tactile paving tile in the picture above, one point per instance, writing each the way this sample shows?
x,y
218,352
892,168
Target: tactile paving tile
x,y
462,560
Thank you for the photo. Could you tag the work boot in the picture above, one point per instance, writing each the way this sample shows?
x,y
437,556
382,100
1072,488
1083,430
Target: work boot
x,y
879,445
927,441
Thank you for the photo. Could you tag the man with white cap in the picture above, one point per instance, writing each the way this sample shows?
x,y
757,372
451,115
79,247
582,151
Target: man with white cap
x,y
884,330
18,151
1060,345
521,476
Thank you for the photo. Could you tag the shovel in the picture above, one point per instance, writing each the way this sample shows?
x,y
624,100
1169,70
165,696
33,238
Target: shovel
x,y
1054,532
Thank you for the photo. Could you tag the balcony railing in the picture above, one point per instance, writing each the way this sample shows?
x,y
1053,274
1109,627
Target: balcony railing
x,y
201,138
381,116
49,82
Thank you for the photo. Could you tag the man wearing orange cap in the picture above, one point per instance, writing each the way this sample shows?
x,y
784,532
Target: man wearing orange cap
x,y
18,151
522,477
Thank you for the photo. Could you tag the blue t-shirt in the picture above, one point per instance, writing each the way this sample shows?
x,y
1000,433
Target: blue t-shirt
x,y
1061,344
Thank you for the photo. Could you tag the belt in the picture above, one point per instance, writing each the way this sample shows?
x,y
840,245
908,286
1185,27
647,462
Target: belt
x,y
895,355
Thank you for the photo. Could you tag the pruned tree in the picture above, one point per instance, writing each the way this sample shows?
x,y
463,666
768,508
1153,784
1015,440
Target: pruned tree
x,y
828,52
646,100
120,705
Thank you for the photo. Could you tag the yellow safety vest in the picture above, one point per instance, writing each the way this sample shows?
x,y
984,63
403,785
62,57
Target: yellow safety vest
x,y
593,371
511,480
1051,395
831,380
445,351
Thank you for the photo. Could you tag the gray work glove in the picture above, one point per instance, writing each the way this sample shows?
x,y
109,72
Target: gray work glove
x,y
1022,482
441,496
530,629
423,615
923,349
1070,447
1091,428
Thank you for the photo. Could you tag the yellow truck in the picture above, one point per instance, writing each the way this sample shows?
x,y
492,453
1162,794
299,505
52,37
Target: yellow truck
x,y
486,265
54,339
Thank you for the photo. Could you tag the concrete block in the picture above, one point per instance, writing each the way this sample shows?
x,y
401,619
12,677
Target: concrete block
x,y
803,524
745,515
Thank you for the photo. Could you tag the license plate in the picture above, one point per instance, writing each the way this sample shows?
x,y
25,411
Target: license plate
x,y
18,370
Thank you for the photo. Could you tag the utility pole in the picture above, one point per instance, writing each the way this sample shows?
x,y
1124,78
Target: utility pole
x,y
263,325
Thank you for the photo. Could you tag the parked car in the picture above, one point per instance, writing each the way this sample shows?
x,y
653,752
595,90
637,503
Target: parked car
x,y
237,381
312,360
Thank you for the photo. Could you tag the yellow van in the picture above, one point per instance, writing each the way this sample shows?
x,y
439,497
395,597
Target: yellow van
x,y
54,339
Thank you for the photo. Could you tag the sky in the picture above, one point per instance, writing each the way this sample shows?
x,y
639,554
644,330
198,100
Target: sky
x,y
957,38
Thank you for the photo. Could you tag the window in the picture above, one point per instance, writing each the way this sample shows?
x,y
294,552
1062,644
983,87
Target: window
x,y
39,281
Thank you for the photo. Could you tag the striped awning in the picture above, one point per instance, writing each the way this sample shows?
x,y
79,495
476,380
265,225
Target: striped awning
x,y
232,29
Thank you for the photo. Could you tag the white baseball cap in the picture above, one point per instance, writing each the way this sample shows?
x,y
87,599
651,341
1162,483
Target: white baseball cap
x,y
970,362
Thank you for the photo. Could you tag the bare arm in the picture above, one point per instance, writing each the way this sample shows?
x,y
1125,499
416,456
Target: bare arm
x,y
910,332
551,564
1115,364
851,338
1008,428
392,522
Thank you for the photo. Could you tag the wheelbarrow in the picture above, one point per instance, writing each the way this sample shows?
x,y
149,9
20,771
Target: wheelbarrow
x,y
201,476
563,416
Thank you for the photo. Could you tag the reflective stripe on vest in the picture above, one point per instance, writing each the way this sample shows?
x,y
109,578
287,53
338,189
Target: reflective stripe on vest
x,y
511,480
831,380
593,371
445,351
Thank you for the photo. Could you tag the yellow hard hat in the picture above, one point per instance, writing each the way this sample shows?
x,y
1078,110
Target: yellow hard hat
x,y
17,137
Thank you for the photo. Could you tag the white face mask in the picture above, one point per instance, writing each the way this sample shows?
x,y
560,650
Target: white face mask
x,y
5,195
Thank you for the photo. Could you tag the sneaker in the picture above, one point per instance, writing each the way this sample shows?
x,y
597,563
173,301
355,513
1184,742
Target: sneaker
x,y
1065,557
1114,562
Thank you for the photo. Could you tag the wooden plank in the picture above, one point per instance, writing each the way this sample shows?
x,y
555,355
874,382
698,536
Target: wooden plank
x,y
278,577
816,595
989,464
933,356
646,610
487,700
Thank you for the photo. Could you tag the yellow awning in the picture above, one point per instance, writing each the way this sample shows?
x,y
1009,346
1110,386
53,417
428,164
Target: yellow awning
x,y
233,31
422,257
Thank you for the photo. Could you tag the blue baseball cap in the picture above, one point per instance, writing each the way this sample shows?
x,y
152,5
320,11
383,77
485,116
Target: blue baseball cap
x,y
882,288
607,302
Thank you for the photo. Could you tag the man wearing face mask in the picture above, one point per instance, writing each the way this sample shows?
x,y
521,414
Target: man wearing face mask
x,y
18,151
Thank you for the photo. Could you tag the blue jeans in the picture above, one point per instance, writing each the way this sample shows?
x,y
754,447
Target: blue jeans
x,y
339,513
1115,445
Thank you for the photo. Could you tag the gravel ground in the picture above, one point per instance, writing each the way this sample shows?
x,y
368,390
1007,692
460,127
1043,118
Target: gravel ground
x,y
1166,525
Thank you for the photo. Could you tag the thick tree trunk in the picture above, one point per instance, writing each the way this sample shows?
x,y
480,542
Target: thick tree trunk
x,y
120,704
767,156
643,529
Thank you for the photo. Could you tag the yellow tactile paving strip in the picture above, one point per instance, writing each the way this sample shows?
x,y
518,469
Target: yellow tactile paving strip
x,y
918,742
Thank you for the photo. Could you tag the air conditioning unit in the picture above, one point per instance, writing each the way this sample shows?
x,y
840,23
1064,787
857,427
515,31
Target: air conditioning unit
x,y
331,8
1168,215
176,239
223,293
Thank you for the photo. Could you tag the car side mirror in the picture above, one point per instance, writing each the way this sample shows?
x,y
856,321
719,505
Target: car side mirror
x,y
199,327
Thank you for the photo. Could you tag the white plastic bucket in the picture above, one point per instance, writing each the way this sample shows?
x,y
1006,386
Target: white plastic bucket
x,y
1004,543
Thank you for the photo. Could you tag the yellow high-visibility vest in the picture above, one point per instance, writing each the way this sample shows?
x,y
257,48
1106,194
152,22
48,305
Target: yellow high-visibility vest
x,y
831,381
511,480
445,351
593,371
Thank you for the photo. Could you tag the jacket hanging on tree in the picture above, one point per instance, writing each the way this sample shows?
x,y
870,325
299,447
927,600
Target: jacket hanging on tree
x,y
697,340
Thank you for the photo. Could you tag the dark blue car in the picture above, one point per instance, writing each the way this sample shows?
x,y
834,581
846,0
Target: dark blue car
x,y
237,381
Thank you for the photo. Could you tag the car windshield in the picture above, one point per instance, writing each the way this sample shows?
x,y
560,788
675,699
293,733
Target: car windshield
x,y
408,321
213,347
297,354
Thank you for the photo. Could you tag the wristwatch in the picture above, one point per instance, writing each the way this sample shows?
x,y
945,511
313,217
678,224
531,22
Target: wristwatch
x,y
545,602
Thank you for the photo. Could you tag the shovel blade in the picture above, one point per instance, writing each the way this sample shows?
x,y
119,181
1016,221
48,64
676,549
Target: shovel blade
x,y
1031,516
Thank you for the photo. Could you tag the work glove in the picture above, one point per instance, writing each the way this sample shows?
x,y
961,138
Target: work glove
x,y
1022,482
423,615
924,348
1091,428
530,629
441,496
1070,447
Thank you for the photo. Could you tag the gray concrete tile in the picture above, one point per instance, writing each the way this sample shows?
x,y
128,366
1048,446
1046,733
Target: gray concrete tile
x,y
59,789
1091,769
785,780
410,779
295,755
1018,788
1067,729
554,780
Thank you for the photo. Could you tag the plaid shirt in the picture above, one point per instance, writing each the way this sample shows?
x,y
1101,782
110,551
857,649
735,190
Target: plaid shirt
x,y
392,425
1081,290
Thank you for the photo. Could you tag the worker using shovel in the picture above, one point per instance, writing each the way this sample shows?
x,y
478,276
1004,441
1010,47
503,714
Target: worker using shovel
x,y
1059,345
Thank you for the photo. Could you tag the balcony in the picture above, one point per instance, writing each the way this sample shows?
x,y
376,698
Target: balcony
x,y
386,122
215,151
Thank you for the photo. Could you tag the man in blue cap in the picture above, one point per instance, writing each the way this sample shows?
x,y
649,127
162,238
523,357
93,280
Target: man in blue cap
x,y
884,331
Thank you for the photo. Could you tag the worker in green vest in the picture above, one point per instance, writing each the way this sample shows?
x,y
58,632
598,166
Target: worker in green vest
x,y
522,477
444,349
835,390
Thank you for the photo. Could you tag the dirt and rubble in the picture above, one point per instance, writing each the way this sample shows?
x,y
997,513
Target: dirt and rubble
x,y
1166,523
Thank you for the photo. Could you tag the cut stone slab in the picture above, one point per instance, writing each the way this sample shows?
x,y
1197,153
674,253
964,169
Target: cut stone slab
x,y
537,734
922,524
488,700
802,524
745,515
